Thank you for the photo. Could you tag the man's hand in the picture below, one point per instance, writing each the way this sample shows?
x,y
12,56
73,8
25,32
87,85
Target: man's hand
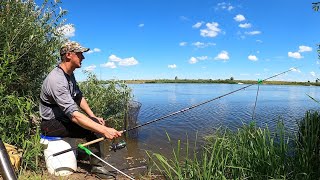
x,y
111,133
99,120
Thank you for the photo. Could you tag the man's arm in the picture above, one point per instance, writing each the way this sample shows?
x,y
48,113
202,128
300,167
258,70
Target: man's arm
x,y
85,122
85,107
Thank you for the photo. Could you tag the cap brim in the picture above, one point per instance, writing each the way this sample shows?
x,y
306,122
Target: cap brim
x,y
82,50
85,49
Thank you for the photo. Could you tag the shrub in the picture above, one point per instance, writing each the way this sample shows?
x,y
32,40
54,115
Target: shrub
x,y
107,100
28,46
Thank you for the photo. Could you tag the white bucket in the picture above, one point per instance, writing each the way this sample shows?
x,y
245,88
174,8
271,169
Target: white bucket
x,y
63,164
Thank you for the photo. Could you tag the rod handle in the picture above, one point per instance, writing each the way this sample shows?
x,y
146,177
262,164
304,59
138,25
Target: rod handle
x,y
74,148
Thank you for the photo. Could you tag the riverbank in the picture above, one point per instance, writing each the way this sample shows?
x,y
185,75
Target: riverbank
x,y
136,167
220,81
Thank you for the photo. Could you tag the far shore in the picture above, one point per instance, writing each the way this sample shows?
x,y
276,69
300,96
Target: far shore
x,y
219,81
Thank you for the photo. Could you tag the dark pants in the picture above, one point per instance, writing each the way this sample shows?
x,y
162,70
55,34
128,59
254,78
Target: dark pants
x,y
67,129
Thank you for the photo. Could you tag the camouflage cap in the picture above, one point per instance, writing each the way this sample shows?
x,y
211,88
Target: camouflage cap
x,y
72,46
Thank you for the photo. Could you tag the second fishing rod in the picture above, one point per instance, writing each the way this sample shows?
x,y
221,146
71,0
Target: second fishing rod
x,y
122,144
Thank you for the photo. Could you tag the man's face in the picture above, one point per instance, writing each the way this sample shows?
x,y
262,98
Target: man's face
x,y
75,58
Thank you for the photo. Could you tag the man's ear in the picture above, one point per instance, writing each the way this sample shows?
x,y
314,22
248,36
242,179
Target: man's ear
x,y
68,56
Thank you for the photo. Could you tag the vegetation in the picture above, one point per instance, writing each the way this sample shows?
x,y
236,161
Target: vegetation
x,y
29,44
250,153
107,100
221,81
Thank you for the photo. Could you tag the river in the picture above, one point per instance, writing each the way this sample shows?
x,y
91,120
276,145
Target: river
x,y
274,103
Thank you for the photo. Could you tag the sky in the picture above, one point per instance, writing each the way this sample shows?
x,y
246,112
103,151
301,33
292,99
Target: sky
x,y
195,39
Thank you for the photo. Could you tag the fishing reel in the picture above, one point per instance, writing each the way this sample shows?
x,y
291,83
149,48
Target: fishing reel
x,y
117,146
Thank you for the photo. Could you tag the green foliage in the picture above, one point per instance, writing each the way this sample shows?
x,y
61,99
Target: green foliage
x,y
249,153
307,147
107,100
28,46
17,128
315,6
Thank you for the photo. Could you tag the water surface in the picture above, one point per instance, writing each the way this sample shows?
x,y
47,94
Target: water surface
x,y
274,103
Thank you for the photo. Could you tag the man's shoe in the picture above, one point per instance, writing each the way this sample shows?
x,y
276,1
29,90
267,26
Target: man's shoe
x,y
102,172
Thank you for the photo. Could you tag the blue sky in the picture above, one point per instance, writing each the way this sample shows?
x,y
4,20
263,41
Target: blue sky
x,y
196,39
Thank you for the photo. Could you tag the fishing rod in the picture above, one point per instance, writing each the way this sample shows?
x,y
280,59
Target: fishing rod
x,y
122,144
205,102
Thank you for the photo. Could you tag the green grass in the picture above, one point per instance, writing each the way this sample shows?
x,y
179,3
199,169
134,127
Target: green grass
x,y
249,153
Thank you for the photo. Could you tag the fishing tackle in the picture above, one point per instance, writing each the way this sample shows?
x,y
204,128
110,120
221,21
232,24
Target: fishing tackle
x,y
117,146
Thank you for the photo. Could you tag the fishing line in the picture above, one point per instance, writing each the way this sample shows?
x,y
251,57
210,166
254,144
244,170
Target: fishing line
x,y
205,102
255,103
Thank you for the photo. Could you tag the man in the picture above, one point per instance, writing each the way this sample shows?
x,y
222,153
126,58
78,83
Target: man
x,y
61,101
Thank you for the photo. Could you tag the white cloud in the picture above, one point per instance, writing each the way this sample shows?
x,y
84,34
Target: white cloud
x,y
295,70
67,30
141,25
94,50
226,6
197,25
182,43
114,58
202,57
252,58
184,18
90,68
223,55
212,30
239,18
202,45
304,49
245,25
109,64
193,60
313,73
295,55
128,62
259,41
172,66
253,32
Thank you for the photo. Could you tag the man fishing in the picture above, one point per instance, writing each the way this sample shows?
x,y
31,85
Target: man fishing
x,y
61,101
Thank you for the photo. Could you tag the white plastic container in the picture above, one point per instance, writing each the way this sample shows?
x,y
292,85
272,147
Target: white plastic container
x,y
63,164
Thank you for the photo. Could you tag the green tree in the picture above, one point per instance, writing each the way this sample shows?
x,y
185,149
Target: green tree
x,y
28,50
28,44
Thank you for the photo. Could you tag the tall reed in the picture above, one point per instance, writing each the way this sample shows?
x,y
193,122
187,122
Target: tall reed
x,y
307,157
249,153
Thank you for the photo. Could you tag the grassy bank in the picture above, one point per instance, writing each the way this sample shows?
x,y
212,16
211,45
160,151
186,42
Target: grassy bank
x,y
219,81
249,153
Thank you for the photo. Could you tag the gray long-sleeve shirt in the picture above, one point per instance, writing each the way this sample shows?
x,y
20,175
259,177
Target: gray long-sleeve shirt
x,y
60,96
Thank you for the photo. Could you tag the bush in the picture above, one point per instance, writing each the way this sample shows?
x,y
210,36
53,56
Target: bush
x,y
107,100
28,45
28,50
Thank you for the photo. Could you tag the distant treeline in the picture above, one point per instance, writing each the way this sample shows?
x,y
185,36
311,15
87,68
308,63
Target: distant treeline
x,y
218,81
